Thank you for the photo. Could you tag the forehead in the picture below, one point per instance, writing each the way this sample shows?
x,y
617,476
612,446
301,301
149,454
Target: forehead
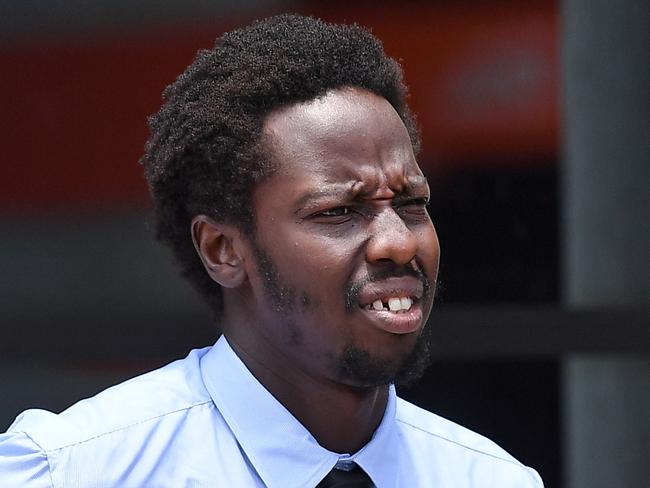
x,y
348,133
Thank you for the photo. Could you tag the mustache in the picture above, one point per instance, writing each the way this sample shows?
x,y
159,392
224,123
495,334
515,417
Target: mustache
x,y
354,289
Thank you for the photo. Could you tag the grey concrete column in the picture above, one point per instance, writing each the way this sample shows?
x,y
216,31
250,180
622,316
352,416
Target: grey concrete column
x,y
607,429
606,168
606,229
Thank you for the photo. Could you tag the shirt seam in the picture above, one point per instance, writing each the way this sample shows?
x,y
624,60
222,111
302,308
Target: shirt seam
x,y
516,463
123,427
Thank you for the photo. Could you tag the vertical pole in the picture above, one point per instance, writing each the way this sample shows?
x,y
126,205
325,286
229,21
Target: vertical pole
x,y
606,232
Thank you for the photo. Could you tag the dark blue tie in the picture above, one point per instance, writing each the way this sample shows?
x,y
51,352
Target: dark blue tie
x,y
355,478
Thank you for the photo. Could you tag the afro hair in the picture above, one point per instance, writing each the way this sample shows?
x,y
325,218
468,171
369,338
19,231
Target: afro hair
x,y
205,152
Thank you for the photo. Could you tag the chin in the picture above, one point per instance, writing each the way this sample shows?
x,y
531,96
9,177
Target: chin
x,y
358,367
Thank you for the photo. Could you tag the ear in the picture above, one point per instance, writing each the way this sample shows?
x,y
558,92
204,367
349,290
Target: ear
x,y
219,247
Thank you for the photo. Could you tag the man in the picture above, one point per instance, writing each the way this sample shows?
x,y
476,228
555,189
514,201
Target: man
x,y
283,170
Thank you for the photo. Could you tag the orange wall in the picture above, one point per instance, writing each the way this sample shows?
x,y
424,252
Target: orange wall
x,y
483,82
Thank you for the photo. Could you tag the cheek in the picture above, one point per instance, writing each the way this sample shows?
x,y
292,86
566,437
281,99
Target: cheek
x,y
324,254
321,270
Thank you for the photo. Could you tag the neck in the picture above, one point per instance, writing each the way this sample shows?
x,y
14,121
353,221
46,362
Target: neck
x,y
341,418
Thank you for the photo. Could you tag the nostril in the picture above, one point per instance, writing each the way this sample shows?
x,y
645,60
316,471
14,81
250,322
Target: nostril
x,y
392,248
391,239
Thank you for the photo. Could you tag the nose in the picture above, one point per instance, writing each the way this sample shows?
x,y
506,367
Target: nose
x,y
391,239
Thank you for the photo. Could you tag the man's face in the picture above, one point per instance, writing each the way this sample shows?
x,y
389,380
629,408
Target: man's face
x,y
345,255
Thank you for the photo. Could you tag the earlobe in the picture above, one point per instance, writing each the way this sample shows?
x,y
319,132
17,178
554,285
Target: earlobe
x,y
218,246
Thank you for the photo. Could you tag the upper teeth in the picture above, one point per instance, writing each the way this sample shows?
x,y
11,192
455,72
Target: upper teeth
x,y
395,304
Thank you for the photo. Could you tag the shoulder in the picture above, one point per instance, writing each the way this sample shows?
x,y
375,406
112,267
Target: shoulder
x,y
427,425
144,400
22,462
427,433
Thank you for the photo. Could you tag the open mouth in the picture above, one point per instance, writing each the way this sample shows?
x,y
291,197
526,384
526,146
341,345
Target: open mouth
x,y
394,314
393,304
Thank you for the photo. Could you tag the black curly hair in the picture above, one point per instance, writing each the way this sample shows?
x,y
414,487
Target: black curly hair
x,y
205,152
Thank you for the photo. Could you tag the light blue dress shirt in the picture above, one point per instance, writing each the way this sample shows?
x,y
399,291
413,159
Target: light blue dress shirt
x,y
205,421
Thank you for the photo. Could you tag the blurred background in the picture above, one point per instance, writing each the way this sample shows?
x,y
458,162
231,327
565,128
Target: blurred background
x,y
536,128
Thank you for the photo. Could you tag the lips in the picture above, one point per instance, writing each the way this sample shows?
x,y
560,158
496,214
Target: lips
x,y
394,287
393,304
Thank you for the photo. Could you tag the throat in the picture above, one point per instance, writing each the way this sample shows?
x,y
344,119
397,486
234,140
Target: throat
x,y
342,418
344,423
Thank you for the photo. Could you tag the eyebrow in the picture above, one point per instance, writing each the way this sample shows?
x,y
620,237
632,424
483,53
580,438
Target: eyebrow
x,y
413,182
346,191
336,190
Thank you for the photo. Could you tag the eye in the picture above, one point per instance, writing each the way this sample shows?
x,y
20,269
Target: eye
x,y
414,208
416,203
336,212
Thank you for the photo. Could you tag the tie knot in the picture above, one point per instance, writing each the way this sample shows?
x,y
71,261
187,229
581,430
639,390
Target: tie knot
x,y
354,478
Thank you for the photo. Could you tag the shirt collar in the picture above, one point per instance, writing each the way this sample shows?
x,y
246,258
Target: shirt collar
x,y
280,448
